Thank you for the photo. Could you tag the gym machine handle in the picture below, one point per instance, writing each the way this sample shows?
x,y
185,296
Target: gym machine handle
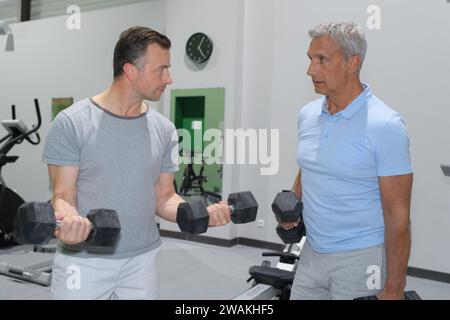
x,y
10,143
35,127
281,255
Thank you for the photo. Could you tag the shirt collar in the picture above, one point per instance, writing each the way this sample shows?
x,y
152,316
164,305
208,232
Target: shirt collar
x,y
353,108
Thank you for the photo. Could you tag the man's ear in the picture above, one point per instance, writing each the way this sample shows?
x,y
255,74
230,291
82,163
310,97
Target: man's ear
x,y
353,64
130,71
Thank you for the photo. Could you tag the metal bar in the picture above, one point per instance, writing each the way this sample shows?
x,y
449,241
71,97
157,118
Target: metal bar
x,y
25,10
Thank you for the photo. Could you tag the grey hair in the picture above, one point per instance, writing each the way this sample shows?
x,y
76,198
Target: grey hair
x,y
348,36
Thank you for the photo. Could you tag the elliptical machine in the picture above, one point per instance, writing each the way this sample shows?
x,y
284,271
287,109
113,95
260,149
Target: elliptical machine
x,y
10,201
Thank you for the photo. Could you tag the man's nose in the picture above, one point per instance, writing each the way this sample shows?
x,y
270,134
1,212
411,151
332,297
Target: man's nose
x,y
168,78
311,70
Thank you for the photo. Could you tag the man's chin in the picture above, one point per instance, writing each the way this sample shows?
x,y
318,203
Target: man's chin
x,y
154,97
319,91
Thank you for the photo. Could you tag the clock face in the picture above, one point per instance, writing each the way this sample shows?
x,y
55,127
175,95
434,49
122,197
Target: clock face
x,y
199,47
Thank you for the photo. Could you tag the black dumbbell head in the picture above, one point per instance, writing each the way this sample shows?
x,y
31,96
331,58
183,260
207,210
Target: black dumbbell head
x,y
412,295
293,235
286,207
409,295
192,217
105,227
373,297
34,223
245,207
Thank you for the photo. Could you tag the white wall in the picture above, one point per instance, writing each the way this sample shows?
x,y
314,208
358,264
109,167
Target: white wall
x,y
258,108
51,61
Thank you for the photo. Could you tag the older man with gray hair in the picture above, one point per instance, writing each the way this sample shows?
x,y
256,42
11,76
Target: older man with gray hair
x,y
355,178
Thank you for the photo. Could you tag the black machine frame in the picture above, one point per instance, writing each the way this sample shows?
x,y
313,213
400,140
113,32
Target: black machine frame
x,y
17,132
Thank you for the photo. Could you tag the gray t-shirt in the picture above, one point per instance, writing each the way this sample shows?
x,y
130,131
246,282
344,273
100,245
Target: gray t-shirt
x,y
120,160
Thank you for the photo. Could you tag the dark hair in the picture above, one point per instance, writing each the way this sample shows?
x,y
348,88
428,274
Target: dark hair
x,y
132,45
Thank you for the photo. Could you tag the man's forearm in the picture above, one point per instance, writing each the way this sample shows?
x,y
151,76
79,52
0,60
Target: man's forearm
x,y
166,207
297,187
398,243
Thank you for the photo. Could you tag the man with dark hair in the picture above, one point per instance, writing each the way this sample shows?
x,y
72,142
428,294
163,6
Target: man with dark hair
x,y
132,45
113,151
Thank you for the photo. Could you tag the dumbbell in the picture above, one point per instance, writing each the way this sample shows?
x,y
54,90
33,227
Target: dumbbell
x,y
193,217
287,208
409,295
35,223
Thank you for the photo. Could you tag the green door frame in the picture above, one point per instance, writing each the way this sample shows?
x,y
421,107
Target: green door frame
x,y
214,118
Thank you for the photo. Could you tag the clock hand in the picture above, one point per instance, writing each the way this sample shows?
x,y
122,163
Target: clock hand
x,y
200,44
201,52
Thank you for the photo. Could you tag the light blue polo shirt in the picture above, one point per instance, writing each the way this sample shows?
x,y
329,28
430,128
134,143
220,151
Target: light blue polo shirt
x,y
341,157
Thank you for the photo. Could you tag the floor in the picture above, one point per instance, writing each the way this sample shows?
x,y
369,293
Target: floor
x,y
188,271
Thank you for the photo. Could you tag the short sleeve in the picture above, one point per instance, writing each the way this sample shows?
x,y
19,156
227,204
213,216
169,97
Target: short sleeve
x,y
169,162
61,145
392,152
